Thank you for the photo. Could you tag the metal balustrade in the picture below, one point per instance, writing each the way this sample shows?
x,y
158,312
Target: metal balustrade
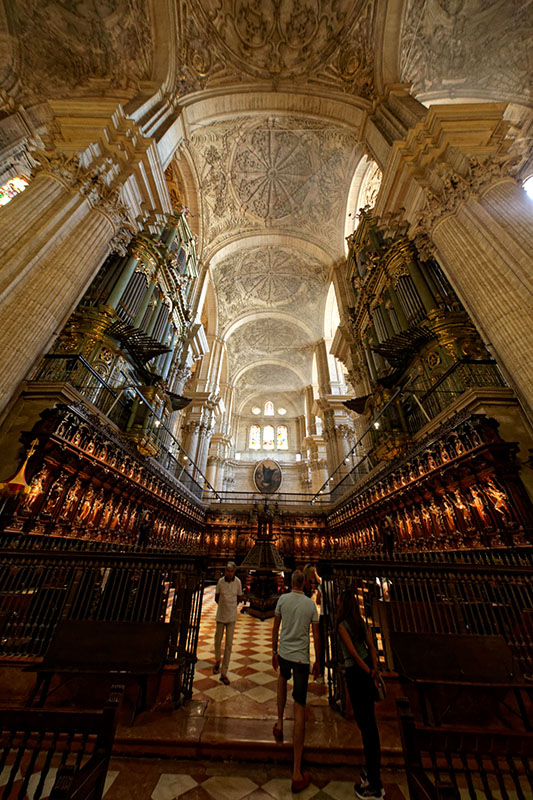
x,y
40,587
477,592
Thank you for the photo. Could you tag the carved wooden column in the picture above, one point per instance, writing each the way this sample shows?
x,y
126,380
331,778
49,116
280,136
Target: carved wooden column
x,y
55,235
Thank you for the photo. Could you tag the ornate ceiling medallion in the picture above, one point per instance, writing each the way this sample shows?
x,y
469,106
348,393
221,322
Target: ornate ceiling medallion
x,y
280,38
272,171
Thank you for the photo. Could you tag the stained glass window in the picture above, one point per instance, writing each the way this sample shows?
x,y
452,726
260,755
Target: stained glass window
x,y
268,437
269,409
283,437
11,188
255,437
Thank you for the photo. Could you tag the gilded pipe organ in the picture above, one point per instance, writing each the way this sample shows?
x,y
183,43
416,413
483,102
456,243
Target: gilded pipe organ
x,y
105,463
435,473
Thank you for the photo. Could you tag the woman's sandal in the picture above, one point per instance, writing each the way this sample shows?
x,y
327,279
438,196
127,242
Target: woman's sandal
x,y
225,680
278,733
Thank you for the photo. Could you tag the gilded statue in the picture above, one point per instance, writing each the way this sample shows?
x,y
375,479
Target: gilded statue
x,y
479,504
499,497
462,507
86,505
54,495
449,513
71,499
36,489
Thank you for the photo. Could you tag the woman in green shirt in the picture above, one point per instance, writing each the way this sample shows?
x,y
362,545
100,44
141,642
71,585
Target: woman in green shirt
x,y
362,680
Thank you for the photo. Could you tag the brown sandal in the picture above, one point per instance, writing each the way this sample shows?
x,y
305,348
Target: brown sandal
x,y
278,733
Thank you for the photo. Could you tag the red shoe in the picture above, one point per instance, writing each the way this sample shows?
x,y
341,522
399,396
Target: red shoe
x,y
299,786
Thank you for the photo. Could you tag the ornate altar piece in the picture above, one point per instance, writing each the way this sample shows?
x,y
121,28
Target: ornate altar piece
x,y
265,564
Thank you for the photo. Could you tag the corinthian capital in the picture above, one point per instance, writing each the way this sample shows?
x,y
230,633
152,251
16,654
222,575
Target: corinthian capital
x,y
449,187
67,170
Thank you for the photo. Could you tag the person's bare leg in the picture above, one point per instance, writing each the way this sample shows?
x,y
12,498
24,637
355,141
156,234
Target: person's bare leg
x,y
282,699
298,740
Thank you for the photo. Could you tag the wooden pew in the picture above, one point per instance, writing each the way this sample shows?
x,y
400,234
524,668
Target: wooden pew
x,y
97,648
461,662
70,749
446,763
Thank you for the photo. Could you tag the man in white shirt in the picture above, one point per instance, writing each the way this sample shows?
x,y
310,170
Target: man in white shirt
x,y
296,613
228,595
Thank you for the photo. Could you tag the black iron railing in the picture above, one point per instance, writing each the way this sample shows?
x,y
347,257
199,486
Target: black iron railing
x,y
41,586
468,592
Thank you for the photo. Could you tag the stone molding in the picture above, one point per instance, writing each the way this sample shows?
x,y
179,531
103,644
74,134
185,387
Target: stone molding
x,y
90,182
457,188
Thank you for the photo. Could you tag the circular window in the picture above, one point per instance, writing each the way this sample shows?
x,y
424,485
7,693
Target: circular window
x,y
256,410
282,411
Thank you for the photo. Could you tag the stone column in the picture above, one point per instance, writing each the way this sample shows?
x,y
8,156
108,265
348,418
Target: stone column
x,y
451,178
54,235
310,419
322,364
486,250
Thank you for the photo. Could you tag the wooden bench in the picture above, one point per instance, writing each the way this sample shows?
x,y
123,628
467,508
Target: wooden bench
x,y
428,660
68,751
449,763
92,647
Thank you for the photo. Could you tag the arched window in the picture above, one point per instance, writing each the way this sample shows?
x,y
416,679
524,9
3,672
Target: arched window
x,y
269,409
11,188
528,186
254,442
283,438
268,437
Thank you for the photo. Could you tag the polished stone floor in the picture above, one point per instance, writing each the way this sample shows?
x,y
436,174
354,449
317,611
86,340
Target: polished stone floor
x,y
252,679
152,779
236,721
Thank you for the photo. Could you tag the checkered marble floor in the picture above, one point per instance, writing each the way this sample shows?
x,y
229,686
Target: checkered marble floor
x,y
252,679
142,779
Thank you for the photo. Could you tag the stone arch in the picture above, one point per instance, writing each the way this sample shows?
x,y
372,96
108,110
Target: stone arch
x,y
268,315
267,362
249,241
361,192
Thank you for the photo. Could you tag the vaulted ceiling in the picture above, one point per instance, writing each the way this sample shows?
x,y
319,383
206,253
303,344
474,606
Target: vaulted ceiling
x,y
270,97
273,159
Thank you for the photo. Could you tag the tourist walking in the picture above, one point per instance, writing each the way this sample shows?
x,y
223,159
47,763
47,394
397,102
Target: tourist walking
x,y
295,613
228,595
363,681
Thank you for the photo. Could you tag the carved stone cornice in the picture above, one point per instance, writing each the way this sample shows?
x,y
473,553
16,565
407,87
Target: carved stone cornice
x,y
455,188
88,181
120,241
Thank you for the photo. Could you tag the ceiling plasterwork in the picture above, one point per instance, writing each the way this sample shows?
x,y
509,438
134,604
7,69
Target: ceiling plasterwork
x,y
270,278
468,48
269,377
283,173
270,338
56,59
324,43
